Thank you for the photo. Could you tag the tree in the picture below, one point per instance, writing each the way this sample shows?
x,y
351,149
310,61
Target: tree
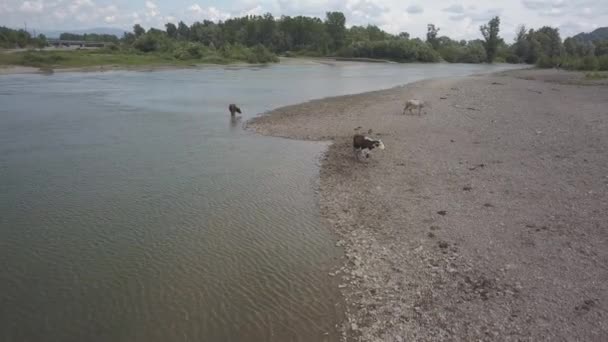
x,y
41,41
431,35
335,24
521,47
550,41
490,35
171,30
138,30
601,48
404,35
183,31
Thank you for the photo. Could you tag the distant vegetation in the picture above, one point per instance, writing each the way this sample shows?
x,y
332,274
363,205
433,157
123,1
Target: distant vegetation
x,y
10,39
260,39
90,37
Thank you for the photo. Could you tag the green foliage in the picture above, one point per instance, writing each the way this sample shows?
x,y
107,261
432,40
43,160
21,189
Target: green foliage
x,y
40,59
513,59
431,36
259,54
138,31
548,62
92,37
596,76
394,49
490,34
589,63
10,39
189,51
462,52
335,27
171,30
474,53
603,62
601,47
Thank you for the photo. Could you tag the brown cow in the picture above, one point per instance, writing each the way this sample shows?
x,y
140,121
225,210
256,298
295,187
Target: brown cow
x,y
234,109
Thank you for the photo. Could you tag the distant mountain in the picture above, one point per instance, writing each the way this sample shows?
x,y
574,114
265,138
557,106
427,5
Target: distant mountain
x,y
99,30
599,34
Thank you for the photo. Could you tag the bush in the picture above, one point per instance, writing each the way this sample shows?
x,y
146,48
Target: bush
x,y
152,42
111,47
474,53
260,54
451,53
589,63
513,59
40,59
547,62
189,51
603,62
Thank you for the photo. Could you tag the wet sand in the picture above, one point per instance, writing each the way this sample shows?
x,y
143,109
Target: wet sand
x,y
484,219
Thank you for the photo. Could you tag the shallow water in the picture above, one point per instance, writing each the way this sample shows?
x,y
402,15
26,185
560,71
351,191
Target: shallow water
x,y
133,209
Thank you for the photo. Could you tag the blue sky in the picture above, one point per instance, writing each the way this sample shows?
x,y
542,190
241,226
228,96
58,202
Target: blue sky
x,y
457,19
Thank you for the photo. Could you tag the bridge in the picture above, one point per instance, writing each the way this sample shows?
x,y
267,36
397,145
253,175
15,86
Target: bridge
x,y
79,43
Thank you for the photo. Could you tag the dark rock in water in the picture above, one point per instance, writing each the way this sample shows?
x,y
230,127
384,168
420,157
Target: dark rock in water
x,y
442,212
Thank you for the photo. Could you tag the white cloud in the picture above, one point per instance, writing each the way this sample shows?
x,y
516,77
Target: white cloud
x,y
456,8
32,7
414,9
459,19
150,5
151,11
255,10
4,8
209,13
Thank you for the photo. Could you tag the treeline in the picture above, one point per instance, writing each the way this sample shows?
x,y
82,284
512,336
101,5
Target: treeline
x,y
260,38
11,39
89,37
544,47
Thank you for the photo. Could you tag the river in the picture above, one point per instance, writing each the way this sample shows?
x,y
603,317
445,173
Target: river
x,y
133,209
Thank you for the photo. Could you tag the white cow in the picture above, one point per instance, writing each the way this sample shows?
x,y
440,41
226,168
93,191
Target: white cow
x,y
414,104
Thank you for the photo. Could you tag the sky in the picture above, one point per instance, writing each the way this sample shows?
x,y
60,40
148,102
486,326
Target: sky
x,y
456,19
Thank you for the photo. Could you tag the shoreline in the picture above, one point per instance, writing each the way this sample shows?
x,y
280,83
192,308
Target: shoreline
x,y
19,69
479,221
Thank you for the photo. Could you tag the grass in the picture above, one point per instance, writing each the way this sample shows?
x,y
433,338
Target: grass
x,y
93,58
596,75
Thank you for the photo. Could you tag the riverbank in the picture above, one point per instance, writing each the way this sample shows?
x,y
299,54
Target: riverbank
x,y
48,61
9,69
484,219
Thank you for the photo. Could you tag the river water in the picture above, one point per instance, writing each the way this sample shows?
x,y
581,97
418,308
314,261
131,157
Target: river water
x,y
133,209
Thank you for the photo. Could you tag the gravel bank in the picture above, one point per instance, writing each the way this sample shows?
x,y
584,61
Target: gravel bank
x,y
485,219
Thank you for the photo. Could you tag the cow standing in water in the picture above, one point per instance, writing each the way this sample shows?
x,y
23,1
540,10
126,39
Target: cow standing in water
x,y
234,109
362,145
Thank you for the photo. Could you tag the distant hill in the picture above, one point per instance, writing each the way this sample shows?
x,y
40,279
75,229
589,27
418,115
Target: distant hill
x,y
99,30
599,34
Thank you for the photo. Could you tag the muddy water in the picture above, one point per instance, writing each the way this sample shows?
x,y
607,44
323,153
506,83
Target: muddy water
x,y
133,209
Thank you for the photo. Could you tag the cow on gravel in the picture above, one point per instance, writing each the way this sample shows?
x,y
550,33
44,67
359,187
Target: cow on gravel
x,y
414,104
363,145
